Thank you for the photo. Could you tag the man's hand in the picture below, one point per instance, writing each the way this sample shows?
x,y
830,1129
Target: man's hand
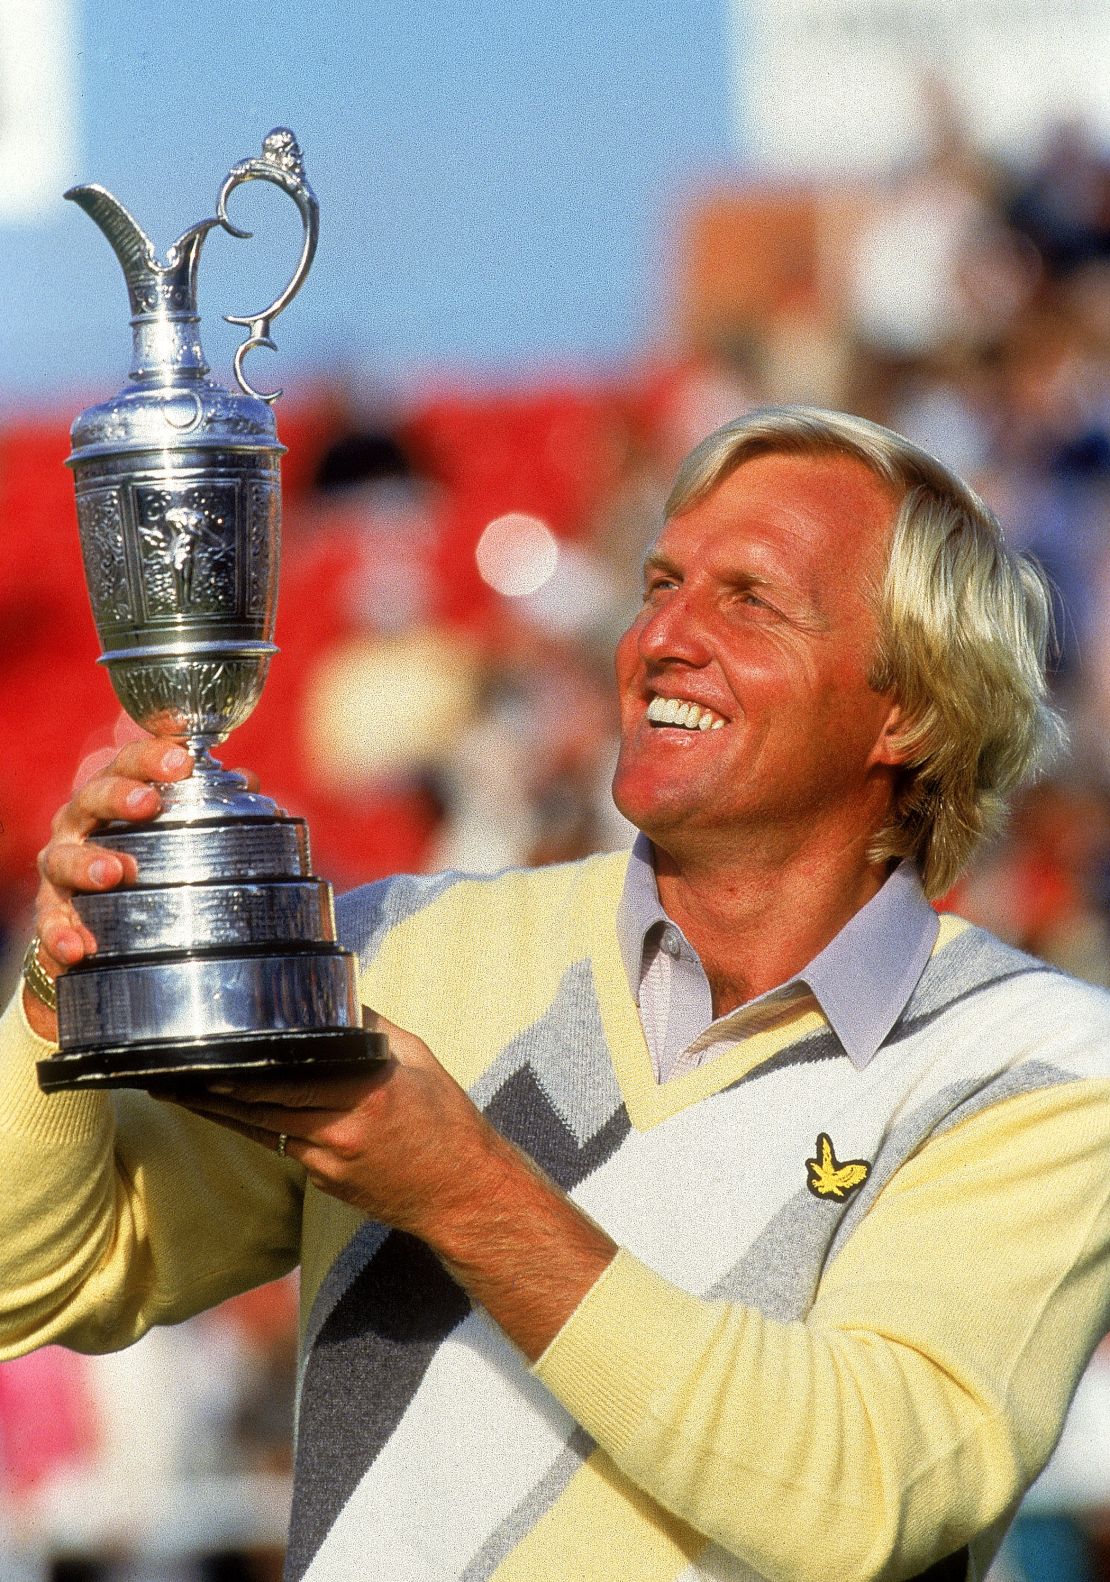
x,y
69,862
405,1145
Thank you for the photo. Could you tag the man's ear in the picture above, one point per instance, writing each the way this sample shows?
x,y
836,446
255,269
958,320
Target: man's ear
x,y
890,748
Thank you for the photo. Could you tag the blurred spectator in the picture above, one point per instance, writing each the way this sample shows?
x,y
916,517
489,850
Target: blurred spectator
x,y
1044,887
934,262
1063,204
146,1465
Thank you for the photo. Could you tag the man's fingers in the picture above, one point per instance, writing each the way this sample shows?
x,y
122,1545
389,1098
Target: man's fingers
x,y
319,1096
77,865
68,866
64,946
257,1134
65,939
153,758
273,1119
404,1047
125,788
93,763
109,796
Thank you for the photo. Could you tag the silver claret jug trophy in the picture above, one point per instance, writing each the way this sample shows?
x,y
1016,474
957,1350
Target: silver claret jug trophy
x,y
222,957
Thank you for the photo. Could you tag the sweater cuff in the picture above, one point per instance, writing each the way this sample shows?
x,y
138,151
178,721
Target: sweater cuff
x,y
24,1108
618,1348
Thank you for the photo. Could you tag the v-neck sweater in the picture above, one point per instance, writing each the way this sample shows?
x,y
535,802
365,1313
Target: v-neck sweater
x,y
840,1336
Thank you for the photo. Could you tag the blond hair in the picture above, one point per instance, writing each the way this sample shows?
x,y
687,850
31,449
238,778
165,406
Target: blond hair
x,y
964,627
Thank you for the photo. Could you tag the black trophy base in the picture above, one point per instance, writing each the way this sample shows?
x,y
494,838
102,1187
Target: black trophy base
x,y
181,1063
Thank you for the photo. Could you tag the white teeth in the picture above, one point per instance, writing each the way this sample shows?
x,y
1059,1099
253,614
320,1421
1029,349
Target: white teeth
x,y
677,711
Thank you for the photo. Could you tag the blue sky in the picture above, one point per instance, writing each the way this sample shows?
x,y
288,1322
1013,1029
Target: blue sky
x,y
498,183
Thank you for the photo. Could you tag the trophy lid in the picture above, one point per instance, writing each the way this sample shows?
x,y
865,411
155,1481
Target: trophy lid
x,y
201,415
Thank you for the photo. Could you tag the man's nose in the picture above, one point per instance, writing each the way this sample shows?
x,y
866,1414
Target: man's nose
x,y
674,631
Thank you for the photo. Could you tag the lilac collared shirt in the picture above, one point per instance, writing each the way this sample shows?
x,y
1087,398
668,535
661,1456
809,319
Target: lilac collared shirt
x,y
861,980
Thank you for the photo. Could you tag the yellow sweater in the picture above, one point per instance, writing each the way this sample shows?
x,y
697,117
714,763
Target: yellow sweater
x,y
849,1312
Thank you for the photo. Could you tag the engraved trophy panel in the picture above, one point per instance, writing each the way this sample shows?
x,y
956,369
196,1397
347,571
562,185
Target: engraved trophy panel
x,y
184,558
223,955
190,549
100,513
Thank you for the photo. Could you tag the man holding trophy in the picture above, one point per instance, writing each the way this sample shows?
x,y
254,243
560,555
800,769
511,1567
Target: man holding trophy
x,y
713,1210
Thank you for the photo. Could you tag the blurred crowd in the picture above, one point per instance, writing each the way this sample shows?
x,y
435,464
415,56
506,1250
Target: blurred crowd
x,y
455,574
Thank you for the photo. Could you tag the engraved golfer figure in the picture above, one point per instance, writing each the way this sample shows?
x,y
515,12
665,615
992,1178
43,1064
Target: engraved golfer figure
x,y
185,527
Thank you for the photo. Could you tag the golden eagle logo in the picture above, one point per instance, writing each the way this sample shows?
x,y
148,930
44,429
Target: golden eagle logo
x,y
827,1177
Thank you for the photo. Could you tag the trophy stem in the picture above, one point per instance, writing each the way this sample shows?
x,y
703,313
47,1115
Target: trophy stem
x,y
203,761
211,791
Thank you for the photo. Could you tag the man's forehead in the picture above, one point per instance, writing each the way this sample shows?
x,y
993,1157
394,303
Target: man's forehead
x,y
822,497
830,478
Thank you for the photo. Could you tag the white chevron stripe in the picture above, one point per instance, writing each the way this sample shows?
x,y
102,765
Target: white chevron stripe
x,y
478,1436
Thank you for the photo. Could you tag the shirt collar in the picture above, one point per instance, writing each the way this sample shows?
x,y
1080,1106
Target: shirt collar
x,y
862,979
639,910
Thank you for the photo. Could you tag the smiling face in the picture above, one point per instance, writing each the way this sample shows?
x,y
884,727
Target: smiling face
x,y
746,715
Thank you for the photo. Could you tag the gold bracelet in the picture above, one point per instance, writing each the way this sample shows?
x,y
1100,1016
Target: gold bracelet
x,y
36,977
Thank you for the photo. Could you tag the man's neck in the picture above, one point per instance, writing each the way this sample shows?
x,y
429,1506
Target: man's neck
x,y
756,924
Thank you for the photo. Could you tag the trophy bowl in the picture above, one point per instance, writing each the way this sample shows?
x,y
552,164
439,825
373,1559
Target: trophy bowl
x,y
222,956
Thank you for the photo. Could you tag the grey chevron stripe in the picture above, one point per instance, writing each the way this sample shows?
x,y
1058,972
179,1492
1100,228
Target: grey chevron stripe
x,y
909,1024
369,1359
536,1503
342,1275
821,1044
567,1051
974,961
779,1272
971,961
578,1084
523,1112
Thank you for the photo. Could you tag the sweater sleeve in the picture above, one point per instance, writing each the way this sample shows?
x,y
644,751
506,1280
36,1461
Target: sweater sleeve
x,y
119,1211
923,1392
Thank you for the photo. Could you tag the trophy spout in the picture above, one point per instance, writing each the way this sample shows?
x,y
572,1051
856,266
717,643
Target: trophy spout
x,y
163,296
130,243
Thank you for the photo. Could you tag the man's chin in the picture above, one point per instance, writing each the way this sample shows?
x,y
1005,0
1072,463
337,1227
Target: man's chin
x,y
650,808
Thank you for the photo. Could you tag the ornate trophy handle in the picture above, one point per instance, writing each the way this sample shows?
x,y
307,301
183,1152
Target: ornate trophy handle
x,y
282,163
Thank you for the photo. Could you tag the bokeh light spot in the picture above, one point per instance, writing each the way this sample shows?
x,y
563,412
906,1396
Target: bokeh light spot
x,y
516,554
